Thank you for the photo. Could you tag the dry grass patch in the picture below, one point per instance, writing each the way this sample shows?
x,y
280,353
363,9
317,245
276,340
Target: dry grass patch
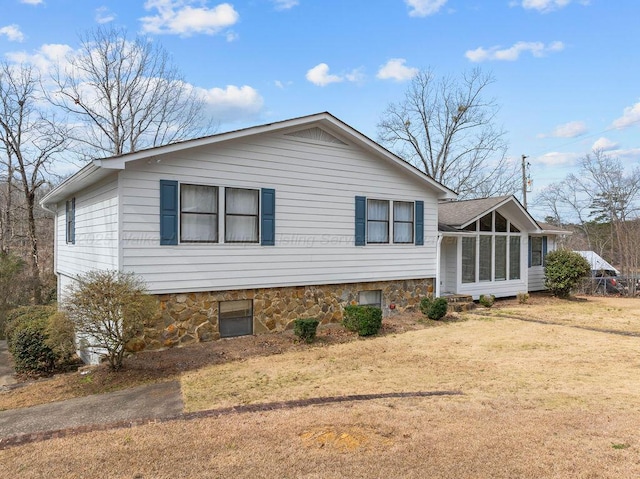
x,y
539,365
600,312
408,438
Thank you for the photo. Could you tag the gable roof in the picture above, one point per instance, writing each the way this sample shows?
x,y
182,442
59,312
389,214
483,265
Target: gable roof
x,y
100,168
455,215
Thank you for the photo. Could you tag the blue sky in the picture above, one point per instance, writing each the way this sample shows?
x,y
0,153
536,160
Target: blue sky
x,y
567,71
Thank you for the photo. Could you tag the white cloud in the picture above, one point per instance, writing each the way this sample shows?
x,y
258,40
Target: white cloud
x,y
567,130
555,158
12,32
232,103
180,18
103,15
537,49
546,6
232,36
285,4
357,75
32,2
395,69
44,59
319,75
423,8
604,144
630,116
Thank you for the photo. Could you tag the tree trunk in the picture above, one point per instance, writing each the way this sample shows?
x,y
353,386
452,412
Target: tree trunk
x,y
33,240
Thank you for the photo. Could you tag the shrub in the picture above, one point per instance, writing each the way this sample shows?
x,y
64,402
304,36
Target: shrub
x,y
434,308
38,339
306,329
563,271
523,297
61,338
487,300
109,309
366,320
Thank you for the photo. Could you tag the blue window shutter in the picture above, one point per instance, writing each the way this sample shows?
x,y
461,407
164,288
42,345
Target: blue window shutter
x,y
544,250
73,221
529,251
361,220
419,223
268,220
168,212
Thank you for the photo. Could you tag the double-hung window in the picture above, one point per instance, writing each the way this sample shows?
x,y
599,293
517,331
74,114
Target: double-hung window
x,y
536,251
402,222
242,211
198,214
70,218
377,221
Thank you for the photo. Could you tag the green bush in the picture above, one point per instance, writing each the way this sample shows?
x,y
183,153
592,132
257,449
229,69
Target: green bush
x,y
36,340
563,271
305,329
487,300
365,320
523,297
434,308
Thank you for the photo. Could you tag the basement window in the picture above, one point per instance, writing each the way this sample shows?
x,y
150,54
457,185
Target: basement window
x,y
235,318
370,298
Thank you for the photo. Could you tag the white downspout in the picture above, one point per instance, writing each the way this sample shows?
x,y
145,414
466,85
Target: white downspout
x,y
436,291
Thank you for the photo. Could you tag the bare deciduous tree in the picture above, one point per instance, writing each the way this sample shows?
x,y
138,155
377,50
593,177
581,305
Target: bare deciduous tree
x,y
127,94
29,141
446,127
602,198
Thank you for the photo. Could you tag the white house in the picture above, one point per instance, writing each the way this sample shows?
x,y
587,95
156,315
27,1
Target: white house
x,y
491,246
242,232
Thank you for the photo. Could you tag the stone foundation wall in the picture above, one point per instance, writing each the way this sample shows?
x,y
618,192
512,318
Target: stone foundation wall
x,y
192,317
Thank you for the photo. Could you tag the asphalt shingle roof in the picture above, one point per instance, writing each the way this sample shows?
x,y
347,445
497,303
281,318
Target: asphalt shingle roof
x,y
458,213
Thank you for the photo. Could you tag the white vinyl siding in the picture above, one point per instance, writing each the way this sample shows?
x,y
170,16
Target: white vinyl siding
x,y
315,184
96,230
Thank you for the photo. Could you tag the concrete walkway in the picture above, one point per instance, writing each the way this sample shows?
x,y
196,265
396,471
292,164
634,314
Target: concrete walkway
x,y
6,366
150,401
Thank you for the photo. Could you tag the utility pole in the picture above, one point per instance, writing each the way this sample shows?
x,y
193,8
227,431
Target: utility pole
x,y
524,181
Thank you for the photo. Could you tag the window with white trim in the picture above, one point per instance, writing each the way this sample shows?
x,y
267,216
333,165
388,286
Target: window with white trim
x,y
242,213
493,253
198,214
70,220
536,251
403,222
377,221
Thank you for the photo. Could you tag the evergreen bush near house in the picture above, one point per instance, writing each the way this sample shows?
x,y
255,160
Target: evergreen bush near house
x,y
365,320
306,328
523,297
487,300
40,339
563,270
434,308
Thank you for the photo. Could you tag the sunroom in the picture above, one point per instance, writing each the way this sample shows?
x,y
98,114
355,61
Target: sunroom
x,y
484,247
